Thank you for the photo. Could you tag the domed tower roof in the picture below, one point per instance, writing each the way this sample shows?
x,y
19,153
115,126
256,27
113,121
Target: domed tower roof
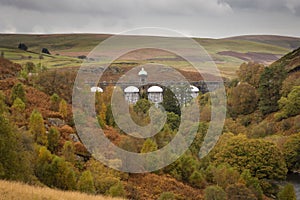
x,y
143,72
194,89
96,89
131,89
155,89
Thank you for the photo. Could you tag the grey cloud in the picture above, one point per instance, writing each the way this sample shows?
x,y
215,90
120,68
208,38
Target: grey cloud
x,y
204,18
289,6
68,6
120,7
256,4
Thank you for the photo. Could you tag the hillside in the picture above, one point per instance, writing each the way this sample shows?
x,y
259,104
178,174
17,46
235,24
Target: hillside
x,y
291,61
8,69
20,191
228,53
41,146
283,41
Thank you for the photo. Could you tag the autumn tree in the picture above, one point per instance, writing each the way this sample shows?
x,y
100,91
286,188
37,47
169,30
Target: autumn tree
x,y
57,81
250,73
53,139
252,183
15,162
63,174
287,85
3,106
102,114
170,102
224,175
269,88
54,171
109,119
117,190
55,100
101,108
242,99
104,178
173,120
291,151
142,107
37,128
287,193
18,109
63,109
18,92
183,168
164,137
43,166
149,146
197,180
132,144
214,193
239,191
243,153
290,105
69,151
86,183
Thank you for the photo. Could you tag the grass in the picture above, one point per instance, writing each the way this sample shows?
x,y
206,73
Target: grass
x,y
20,191
49,61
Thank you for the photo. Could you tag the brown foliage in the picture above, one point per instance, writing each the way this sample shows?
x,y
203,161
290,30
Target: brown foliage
x,y
150,186
37,100
58,81
65,131
80,148
8,69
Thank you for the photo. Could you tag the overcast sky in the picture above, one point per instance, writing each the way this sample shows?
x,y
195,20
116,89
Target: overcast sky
x,y
201,18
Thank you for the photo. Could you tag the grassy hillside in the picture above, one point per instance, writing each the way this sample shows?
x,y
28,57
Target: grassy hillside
x,y
291,61
283,41
50,61
253,152
20,191
65,48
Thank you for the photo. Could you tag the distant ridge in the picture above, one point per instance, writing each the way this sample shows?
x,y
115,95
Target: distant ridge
x,y
66,49
282,41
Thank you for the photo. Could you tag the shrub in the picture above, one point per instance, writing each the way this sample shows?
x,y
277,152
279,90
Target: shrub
x,y
289,106
243,153
291,151
239,191
197,180
117,190
287,193
242,99
224,175
167,196
214,193
252,183
86,183
18,92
